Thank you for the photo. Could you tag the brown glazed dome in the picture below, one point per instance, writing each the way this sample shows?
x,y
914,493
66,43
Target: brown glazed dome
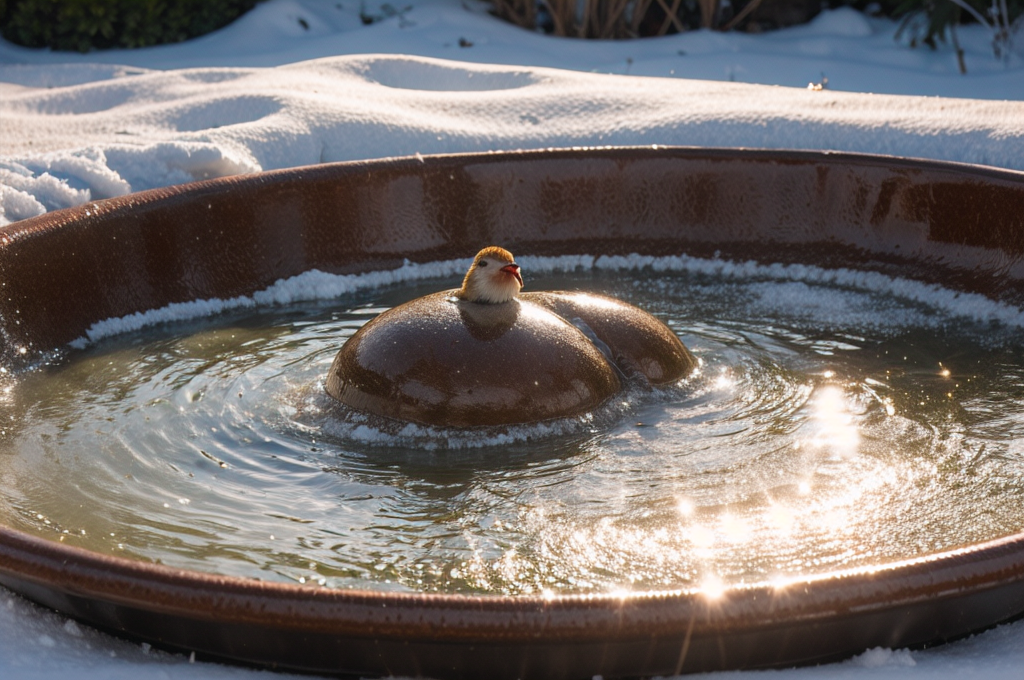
x,y
439,360
637,342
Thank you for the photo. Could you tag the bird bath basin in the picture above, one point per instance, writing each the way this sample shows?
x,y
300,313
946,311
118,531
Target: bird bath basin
x,y
840,474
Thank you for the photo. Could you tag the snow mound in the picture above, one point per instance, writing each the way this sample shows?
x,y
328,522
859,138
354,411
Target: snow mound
x,y
34,185
63,75
880,656
439,76
155,129
844,21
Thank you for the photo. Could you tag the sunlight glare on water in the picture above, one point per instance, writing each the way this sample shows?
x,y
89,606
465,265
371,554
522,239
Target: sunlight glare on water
x,y
827,428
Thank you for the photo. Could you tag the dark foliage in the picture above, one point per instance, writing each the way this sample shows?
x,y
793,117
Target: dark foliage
x,y
84,25
928,21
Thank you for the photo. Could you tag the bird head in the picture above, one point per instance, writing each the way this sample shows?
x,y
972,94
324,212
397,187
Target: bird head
x,y
494,277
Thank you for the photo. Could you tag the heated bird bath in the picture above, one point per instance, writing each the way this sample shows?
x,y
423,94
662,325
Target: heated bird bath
x,y
842,471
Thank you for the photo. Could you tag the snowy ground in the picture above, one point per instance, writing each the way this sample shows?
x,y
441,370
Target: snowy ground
x,y
297,82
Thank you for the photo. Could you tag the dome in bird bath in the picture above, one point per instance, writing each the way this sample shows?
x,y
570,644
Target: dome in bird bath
x,y
478,356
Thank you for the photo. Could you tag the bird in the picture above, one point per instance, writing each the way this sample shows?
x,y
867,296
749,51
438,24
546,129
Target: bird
x,y
493,278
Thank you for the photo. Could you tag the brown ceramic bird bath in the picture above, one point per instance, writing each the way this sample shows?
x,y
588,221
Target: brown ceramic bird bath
x,y
959,225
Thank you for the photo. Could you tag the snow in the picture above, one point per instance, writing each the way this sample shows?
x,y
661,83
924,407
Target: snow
x,y
317,285
298,82
266,93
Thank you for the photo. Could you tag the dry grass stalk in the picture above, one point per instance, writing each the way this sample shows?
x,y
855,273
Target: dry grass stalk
x,y
563,15
671,17
607,19
708,12
640,8
519,12
750,7
604,19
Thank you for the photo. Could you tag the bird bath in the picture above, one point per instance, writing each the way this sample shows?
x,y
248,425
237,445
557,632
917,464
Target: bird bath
x,y
841,472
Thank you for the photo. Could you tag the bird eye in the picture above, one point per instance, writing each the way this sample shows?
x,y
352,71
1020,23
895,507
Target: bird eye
x,y
481,263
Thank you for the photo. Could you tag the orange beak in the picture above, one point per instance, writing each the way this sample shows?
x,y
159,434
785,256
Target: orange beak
x,y
513,269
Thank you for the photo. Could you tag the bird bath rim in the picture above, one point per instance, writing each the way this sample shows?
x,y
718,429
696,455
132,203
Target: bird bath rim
x,y
232,236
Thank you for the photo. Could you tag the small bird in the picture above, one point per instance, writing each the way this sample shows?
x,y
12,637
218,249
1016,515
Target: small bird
x,y
493,278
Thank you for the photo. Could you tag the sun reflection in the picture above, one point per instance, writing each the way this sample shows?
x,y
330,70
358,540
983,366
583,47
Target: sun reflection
x,y
724,381
713,587
837,519
702,539
781,518
734,529
620,593
836,428
890,409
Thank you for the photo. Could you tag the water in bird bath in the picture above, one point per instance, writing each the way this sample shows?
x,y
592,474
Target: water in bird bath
x,y
839,419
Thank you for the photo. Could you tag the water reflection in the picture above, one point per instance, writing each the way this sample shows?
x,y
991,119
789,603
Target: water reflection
x,y
836,431
796,449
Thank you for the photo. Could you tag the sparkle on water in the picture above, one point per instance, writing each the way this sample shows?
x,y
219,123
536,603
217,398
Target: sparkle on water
x,y
828,427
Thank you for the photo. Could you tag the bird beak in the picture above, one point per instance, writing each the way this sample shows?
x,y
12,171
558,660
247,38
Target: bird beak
x,y
513,269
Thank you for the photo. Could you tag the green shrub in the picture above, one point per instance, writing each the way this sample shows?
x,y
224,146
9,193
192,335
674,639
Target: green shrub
x,y
84,25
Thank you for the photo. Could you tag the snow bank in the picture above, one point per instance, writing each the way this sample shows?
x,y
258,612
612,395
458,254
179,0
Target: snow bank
x,y
159,128
89,129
